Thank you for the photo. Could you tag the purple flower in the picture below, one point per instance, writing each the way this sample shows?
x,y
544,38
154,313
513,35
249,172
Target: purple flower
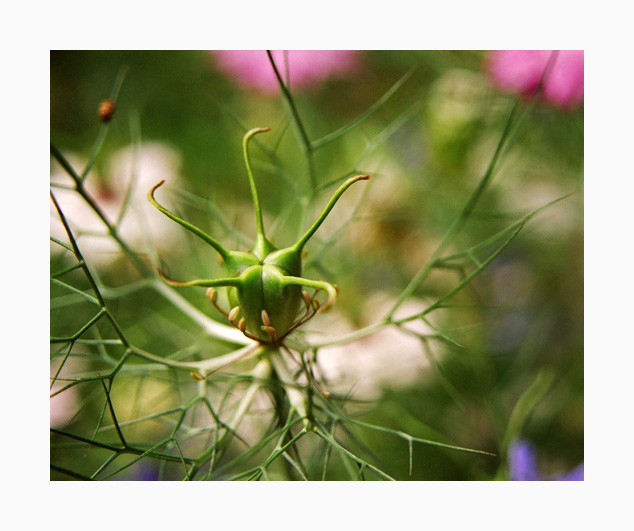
x,y
306,68
521,71
574,475
522,462
523,465
146,472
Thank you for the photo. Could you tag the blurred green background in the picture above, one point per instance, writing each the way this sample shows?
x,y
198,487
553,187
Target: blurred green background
x,y
525,313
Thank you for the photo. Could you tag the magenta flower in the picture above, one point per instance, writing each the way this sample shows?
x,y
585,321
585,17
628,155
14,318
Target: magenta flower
x,y
306,68
521,71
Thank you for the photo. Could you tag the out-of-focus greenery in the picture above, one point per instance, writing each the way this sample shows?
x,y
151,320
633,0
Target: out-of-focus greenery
x,y
521,318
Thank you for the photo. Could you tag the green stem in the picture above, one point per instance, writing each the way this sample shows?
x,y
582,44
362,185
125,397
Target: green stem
x,y
195,230
316,284
203,368
462,217
302,241
304,140
78,255
356,335
114,94
203,282
280,449
261,371
294,394
342,130
254,191
141,266
464,282
211,327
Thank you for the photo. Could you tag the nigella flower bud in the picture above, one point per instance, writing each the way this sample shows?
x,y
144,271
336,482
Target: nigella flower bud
x,y
263,284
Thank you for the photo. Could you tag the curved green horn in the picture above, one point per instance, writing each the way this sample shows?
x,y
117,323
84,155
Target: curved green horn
x,y
203,235
349,182
254,192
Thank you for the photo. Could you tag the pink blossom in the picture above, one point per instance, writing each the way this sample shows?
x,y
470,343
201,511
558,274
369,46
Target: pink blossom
x,y
306,68
522,70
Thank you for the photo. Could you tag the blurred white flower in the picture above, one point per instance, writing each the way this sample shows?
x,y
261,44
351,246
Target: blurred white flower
x,y
66,404
390,358
130,171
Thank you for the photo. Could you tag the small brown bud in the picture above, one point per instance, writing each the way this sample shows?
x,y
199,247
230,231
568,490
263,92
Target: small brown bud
x,y
106,110
265,318
242,325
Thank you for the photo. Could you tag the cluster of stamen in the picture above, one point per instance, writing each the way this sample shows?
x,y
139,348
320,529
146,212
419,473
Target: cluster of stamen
x,y
311,307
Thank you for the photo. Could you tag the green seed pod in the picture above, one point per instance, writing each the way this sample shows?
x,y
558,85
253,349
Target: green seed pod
x,y
264,284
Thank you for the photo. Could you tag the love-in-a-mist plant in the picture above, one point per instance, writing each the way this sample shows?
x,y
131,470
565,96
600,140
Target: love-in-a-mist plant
x,y
264,283
264,289
256,404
